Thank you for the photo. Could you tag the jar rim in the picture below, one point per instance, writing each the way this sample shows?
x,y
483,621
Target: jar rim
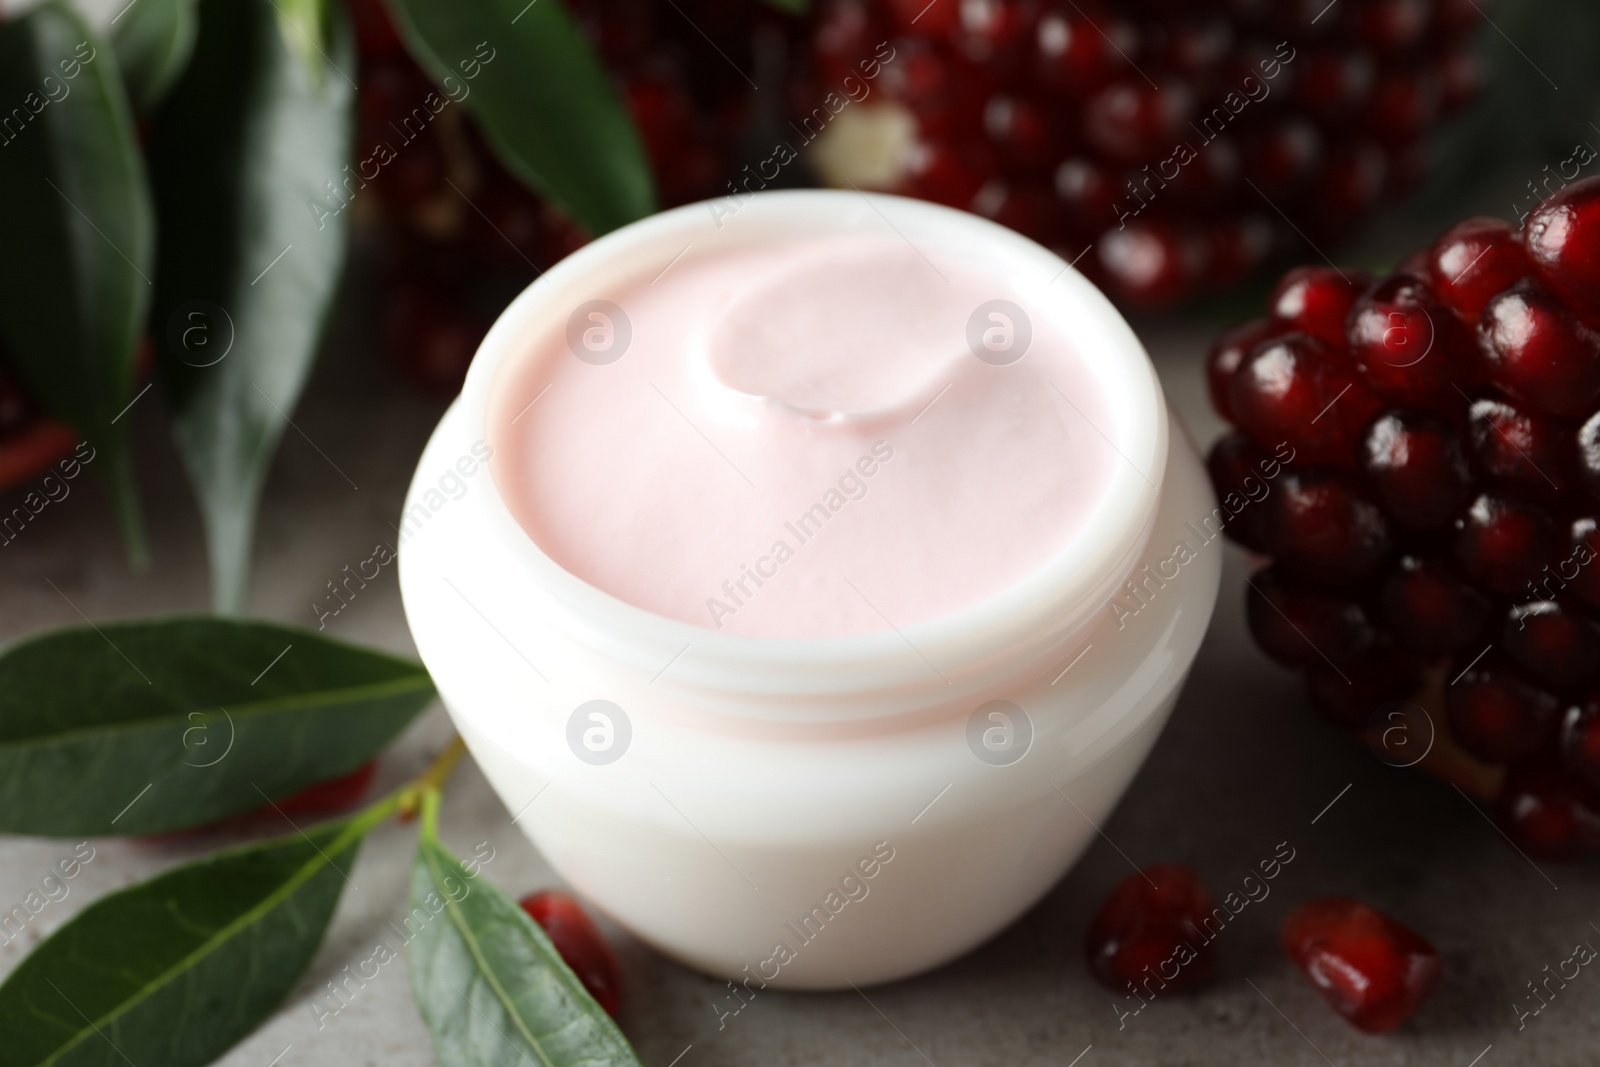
x,y
1033,618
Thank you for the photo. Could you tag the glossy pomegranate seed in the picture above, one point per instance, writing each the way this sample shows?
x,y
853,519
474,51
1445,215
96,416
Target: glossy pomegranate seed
x,y
948,173
1535,348
944,92
1088,193
1498,716
1242,473
1320,525
1024,206
1151,924
1300,625
581,945
988,30
845,34
1334,83
1548,814
1229,351
331,795
1131,121
1196,44
1418,467
1283,157
1368,967
1075,54
1588,454
1021,129
1317,301
1578,568
1557,646
1408,348
1472,262
1297,389
919,18
1427,607
1562,237
1518,448
1150,264
1404,104
1390,25
1503,543
1350,693
1580,741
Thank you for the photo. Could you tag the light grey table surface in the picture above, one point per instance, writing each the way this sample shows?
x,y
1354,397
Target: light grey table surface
x,y
1243,765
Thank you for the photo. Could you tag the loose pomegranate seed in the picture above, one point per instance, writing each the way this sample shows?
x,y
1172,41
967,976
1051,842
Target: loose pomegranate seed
x,y
1473,261
1317,301
1367,966
1519,449
1227,354
1407,348
1242,472
1580,741
1558,646
1350,693
1297,389
1300,625
1562,237
1548,814
1427,607
1503,542
1579,567
581,945
1418,467
1535,348
334,794
1151,923
1498,716
1322,526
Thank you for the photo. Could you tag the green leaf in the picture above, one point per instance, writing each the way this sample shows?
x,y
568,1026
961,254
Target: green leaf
x,y
176,970
489,984
153,40
532,81
245,155
78,247
152,726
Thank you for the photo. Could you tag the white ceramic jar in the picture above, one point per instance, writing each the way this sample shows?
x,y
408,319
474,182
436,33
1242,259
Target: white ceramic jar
x,y
808,813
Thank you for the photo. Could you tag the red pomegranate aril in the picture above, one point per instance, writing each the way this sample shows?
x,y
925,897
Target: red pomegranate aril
x,y
1321,526
1535,348
1418,467
1427,607
1548,814
1350,693
1087,192
1238,247
1283,157
1496,715
1460,79
1242,472
1503,543
1352,179
1075,55
1227,353
990,29
1151,922
948,173
1580,741
581,945
1472,262
919,18
1390,25
1371,969
1562,238
1149,263
1131,120
1022,130
1317,301
1555,644
1196,44
330,795
1577,570
1405,346
1404,104
1300,625
1297,389
1519,449
1334,83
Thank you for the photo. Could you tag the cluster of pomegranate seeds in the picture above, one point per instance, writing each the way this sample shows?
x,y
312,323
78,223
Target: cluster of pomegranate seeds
x,y
581,945
1165,136
1147,937
458,234
1372,970
1437,510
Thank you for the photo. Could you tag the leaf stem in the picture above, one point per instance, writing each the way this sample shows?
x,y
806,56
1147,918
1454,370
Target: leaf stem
x,y
422,792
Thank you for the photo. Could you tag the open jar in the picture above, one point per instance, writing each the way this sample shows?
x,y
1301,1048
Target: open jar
x,y
818,810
